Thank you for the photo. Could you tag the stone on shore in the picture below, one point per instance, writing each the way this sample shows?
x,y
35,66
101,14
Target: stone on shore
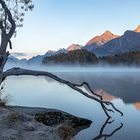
x,y
24,123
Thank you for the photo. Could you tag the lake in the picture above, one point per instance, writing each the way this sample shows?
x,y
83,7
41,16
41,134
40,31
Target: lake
x,y
120,86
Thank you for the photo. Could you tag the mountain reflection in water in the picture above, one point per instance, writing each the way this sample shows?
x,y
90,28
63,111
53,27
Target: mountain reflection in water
x,y
122,85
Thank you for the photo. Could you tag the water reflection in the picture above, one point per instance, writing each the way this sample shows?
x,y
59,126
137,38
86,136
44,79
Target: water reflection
x,y
122,85
104,135
137,105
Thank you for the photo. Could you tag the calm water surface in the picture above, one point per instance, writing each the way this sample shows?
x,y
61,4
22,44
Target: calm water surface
x,y
120,87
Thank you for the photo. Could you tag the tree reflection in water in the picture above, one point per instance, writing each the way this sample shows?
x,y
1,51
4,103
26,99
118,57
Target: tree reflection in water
x,y
104,135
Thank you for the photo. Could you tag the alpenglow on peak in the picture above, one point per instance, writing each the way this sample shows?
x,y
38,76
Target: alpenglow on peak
x,y
103,38
137,29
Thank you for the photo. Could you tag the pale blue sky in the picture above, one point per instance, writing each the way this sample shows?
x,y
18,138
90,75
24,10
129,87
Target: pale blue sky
x,y
55,24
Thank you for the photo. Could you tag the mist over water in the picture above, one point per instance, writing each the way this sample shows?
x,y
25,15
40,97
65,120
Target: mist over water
x,y
76,68
119,81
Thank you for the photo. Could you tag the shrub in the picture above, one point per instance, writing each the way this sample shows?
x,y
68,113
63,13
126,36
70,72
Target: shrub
x,y
66,132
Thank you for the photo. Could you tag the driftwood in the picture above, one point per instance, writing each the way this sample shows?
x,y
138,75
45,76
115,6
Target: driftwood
x,y
96,97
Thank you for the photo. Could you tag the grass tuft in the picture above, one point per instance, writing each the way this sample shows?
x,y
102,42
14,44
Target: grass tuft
x,y
4,99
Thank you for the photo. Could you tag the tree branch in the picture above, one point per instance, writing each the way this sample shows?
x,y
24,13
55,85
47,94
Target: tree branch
x,y
89,88
10,44
19,72
10,18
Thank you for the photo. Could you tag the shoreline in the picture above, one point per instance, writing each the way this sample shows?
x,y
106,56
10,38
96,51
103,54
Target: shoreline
x,y
26,123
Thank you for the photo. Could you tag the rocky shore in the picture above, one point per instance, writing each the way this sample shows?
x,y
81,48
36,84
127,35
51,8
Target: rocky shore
x,y
26,123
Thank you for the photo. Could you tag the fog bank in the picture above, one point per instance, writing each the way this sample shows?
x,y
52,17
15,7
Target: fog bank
x,y
76,68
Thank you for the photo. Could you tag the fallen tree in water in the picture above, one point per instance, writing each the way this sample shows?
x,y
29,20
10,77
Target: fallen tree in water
x,y
96,97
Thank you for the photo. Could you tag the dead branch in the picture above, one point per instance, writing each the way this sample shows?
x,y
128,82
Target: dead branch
x,y
19,72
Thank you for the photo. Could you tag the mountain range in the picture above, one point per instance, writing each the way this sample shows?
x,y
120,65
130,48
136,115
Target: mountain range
x,y
102,45
110,44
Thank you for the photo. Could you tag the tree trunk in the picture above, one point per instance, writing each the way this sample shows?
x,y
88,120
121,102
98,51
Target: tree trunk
x,y
3,55
3,46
